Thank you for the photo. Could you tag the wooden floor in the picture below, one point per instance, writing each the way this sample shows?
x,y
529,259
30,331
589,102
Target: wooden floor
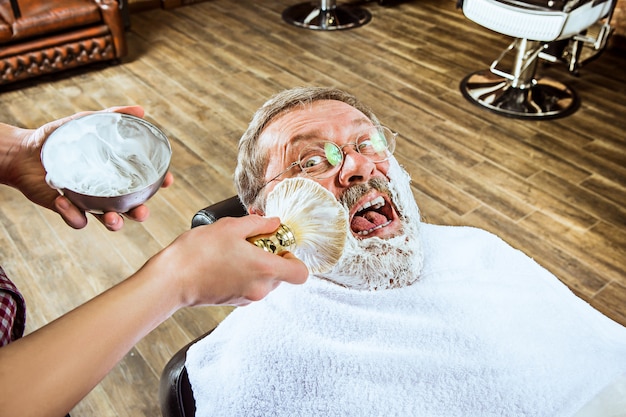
x,y
554,189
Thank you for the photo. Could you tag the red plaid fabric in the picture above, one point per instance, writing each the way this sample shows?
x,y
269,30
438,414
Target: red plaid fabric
x,y
12,311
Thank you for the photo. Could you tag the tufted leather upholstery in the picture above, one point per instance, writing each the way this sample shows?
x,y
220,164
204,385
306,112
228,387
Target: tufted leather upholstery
x,y
41,36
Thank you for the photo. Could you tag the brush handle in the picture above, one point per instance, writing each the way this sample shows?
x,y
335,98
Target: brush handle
x,y
282,240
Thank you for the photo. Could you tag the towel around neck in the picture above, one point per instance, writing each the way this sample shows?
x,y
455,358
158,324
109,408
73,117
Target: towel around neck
x,y
486,331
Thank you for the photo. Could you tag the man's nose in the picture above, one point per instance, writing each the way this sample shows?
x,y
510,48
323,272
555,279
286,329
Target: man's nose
x,y
356,168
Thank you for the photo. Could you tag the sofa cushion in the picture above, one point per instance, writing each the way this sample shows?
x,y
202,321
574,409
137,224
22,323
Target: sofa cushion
x,y
41,17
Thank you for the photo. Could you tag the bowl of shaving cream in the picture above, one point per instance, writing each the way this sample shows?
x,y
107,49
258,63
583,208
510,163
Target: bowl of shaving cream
x,y
106,161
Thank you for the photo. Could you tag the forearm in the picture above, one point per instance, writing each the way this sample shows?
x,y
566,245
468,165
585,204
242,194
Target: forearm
x,y
56,366
47,372
10,137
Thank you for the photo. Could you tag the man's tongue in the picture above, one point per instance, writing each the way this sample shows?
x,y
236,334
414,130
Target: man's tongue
x,y
367,221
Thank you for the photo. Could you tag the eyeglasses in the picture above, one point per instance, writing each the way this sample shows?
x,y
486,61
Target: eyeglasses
x,y
324,159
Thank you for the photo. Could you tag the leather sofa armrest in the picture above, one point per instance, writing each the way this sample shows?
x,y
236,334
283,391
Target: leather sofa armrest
x,y
16,9
112,16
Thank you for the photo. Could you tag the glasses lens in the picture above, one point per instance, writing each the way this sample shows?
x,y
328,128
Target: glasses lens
x,y
377,144
320,160
333,153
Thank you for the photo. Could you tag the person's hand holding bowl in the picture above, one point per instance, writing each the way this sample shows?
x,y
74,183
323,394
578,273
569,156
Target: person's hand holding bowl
x,y
107,162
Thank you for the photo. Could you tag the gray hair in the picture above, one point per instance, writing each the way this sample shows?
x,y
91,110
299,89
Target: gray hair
x,y
252,161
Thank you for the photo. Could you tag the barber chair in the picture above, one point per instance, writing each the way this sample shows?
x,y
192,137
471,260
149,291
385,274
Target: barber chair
x,y
326,15
175,395
571,32
231,207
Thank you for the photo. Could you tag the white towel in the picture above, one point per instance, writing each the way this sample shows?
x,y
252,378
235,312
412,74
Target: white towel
x,y
485,331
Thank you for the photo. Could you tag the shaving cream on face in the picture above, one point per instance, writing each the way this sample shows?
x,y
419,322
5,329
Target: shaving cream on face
x,y
105,154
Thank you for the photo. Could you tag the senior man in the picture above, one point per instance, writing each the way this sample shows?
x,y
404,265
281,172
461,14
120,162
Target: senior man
x,y
415,319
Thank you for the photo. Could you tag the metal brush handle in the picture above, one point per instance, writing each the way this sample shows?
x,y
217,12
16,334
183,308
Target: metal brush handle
x,y
281,240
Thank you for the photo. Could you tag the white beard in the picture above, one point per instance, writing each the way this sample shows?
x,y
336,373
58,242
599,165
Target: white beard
x,y
374,263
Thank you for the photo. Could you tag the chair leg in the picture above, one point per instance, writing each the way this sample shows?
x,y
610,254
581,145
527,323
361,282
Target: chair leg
x,y
326,15
520,94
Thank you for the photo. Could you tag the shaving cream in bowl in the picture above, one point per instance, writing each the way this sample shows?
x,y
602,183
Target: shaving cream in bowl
x,y
106,161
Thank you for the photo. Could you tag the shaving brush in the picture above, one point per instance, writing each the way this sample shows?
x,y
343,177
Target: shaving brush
x,y
313,224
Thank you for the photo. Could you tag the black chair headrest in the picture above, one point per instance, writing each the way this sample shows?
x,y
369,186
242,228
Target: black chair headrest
x,y
231,207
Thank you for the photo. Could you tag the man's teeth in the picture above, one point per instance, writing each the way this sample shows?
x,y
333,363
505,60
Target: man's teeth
x,y
367,232
376,203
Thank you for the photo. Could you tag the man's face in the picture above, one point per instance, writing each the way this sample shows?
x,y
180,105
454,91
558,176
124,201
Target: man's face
x,y
372,214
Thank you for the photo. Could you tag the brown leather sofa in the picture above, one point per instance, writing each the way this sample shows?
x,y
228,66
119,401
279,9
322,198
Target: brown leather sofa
x,y
40,37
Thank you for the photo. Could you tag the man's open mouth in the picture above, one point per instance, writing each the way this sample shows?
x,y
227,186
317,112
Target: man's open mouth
x,y
372,215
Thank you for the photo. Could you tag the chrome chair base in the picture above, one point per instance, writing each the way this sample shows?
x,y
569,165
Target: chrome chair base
x,y
316,16
545,98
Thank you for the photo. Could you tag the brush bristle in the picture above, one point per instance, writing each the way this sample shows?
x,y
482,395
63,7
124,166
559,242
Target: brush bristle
x,y
319,223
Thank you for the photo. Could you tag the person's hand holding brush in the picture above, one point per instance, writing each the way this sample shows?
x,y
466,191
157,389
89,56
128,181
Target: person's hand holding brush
x,y
212,264
215,264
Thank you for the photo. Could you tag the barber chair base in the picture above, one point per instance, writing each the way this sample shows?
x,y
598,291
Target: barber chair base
x,y
546,98
312,16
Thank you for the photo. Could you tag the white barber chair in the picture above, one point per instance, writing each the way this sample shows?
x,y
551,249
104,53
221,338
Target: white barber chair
x,y
326,15
561,31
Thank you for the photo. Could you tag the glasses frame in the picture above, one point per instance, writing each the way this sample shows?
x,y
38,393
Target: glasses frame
x,y
390,150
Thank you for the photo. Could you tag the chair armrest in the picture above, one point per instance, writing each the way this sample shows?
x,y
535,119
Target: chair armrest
x,y
16,9
112,16
175,393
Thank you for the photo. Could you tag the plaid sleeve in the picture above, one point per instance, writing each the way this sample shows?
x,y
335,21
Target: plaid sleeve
x,y
12,311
